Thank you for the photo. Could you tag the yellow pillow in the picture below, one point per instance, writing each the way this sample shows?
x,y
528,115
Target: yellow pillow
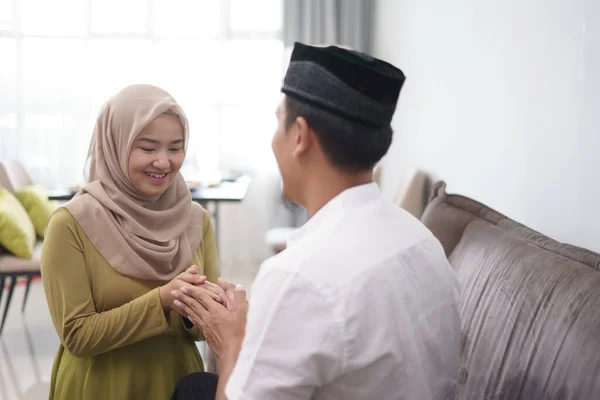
x,y
17,234
35,201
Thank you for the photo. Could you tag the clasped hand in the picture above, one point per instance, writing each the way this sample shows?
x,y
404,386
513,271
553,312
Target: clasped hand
x,y
219,310
223,327
189,279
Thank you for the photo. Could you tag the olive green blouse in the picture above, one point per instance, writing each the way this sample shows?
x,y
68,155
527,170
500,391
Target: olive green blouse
x,y
116,341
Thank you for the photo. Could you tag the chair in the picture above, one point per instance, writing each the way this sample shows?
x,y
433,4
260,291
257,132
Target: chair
x,y
17,174
412,196
277,238
15,267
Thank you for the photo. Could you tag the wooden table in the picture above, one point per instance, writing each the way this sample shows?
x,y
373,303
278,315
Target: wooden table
x,y
229,191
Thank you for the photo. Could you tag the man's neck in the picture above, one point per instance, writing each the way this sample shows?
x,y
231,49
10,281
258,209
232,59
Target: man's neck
x,y
329,185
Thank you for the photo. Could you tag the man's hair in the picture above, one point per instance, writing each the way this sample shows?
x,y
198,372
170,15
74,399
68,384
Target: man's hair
x,y
350,146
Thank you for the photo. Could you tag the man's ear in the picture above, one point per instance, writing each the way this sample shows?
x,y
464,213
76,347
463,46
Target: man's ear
x,y
304,137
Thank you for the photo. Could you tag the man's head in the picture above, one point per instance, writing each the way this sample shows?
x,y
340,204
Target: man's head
x,y
334,117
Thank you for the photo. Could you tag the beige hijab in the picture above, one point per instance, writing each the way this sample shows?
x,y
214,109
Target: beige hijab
x,y
144,237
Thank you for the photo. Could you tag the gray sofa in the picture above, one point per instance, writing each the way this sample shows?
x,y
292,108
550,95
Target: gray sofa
x,y
530,306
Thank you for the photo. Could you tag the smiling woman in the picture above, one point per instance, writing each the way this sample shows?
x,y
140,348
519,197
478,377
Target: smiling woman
x,y
113,255
157,155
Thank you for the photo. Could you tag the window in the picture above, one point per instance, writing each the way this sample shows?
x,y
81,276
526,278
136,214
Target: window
x,y
221,60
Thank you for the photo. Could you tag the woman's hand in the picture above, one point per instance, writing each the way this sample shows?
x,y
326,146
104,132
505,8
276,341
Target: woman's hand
x,y
188,279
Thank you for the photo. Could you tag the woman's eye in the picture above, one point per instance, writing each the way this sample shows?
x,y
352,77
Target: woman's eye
x,y
146,150
174,150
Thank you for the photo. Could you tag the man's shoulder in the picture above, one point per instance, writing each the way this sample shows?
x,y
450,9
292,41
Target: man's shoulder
x,y
286,266
362,241
307,272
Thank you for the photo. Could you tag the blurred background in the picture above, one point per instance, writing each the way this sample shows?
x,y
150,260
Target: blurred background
x,y
61,59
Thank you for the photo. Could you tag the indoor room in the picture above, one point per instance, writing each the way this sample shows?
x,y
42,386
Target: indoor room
x,y
294,199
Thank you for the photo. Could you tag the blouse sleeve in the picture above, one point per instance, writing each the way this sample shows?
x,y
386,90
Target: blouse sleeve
x,y
83,331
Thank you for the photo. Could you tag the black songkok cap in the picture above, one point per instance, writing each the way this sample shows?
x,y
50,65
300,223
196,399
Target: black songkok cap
x,y
347,83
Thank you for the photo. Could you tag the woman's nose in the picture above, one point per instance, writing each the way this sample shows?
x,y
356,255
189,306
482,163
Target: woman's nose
x,y
162,162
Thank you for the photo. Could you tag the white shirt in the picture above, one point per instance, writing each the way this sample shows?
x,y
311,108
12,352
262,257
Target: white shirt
x,y
362,305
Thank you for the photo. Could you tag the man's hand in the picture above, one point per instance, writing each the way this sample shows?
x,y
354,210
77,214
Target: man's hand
x,y
223,329
229,289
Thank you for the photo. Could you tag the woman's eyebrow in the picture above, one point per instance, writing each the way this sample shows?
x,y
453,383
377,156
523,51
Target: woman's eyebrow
x,y
148,140
156,141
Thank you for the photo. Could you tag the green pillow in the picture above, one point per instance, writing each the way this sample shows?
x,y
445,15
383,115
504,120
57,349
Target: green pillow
x,y
35,201
17,234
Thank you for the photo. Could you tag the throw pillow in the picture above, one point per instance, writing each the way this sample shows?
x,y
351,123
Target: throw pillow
x,y
35,201
17,234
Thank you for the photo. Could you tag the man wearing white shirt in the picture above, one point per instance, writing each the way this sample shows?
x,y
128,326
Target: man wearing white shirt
x,y
363,303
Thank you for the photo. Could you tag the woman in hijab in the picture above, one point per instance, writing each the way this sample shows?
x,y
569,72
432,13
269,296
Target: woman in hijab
x,y
112,256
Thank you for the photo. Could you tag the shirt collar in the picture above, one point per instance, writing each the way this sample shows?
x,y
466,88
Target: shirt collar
x,y
330,212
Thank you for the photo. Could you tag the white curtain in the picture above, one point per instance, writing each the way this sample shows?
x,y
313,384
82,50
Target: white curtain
x,y
221,59
317,22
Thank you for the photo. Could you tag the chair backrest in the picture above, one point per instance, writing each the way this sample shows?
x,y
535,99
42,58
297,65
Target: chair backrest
x,y
412,194
377,174
4,180
18,175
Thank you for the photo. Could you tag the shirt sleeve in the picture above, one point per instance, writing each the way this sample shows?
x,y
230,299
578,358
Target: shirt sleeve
x,y
209,256
293,341
83,331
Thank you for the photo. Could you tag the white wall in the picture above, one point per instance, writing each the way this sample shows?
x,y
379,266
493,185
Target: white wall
x,y
502,101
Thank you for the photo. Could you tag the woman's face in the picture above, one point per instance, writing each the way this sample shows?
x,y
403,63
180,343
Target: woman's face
x,y
157,155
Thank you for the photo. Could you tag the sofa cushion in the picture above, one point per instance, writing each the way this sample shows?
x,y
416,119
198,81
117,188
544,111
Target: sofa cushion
x,y
529,305
34,199
17,234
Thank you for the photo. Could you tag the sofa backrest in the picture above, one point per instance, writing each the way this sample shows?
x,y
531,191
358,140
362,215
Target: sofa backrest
x,y
530,306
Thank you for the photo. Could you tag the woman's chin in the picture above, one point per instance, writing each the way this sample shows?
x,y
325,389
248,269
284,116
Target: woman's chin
x,y
151,190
